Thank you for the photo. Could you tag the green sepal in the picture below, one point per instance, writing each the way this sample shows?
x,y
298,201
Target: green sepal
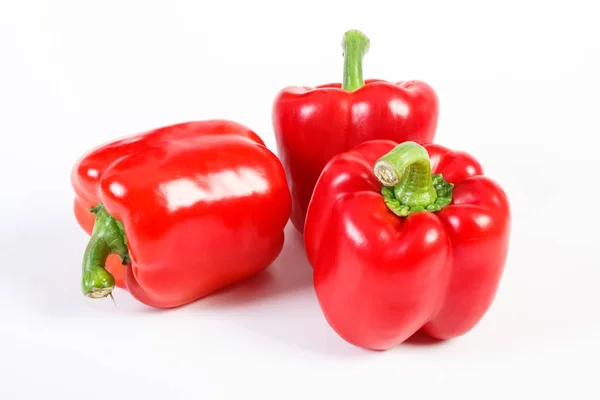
x,y
444,197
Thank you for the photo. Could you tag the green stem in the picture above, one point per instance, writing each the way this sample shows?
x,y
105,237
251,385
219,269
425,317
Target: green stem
x,y
108,237
408,185
355,45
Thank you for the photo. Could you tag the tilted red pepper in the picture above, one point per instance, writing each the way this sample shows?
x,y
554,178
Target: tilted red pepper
x,y
420,252
187,208
313,124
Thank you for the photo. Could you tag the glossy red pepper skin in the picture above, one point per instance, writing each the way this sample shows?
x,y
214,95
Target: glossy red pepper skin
x,y
314,124
203,205
380,278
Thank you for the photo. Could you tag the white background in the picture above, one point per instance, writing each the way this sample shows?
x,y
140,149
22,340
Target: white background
x,y
518,87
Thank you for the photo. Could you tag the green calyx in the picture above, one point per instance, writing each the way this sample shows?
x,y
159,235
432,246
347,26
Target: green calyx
x,y
108,237
407,183
355,44
443,193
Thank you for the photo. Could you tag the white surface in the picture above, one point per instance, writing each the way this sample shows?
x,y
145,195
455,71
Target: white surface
x,y
518,85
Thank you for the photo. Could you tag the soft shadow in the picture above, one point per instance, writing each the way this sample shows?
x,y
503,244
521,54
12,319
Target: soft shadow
x,y
422,339
288,274
280,304
48,279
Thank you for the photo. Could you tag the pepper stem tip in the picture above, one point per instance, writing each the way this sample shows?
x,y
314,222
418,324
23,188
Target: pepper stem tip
x,y
99,293
385,172
356,39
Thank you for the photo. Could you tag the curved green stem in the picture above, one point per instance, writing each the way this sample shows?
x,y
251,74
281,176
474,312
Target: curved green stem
x,y
108,237
408,185
355,45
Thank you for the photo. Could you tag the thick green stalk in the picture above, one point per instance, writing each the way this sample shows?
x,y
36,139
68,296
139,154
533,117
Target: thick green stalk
x,y
408,185
355,45
108,237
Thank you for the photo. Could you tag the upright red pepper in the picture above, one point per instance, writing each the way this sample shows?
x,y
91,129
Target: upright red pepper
x,y
422,251
314,124
184,210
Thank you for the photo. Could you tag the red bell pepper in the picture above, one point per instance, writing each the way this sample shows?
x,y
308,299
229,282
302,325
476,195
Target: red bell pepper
x,y
396,249
184,210
313,124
